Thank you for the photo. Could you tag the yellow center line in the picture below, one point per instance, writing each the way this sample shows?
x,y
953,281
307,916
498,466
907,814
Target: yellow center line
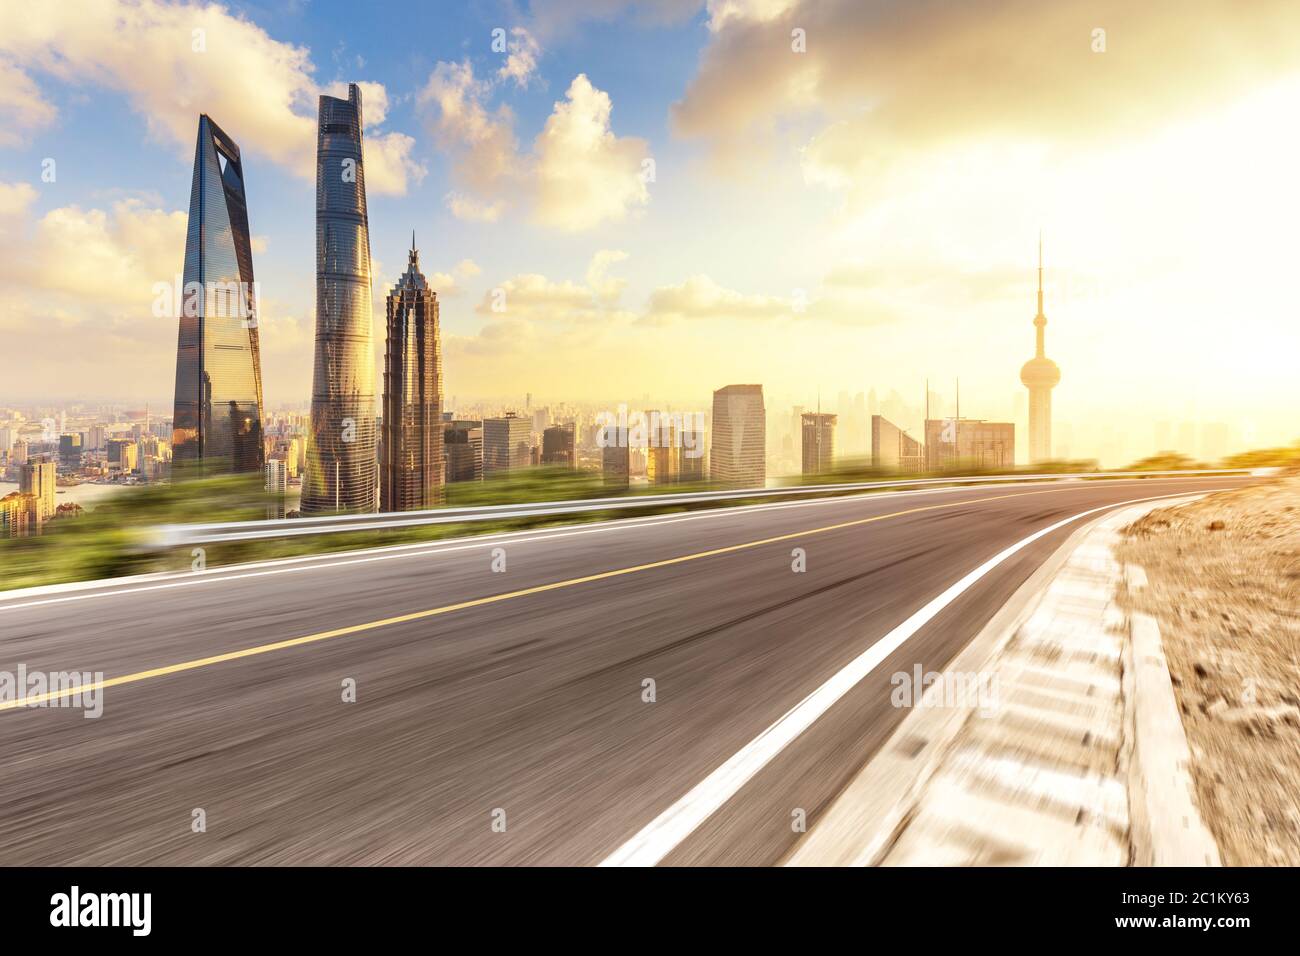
x,y
476,602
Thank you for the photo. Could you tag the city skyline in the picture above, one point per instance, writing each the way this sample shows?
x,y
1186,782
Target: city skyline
x,y
616,279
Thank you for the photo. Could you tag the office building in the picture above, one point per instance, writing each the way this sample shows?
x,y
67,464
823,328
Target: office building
x,y
557,445
615,465
738,454
411,470
38,479
893,449
70,447
969,444
1040,375
217,418
690,458
507,443
342,468
463,450
123,455
662,454
16,511
818,441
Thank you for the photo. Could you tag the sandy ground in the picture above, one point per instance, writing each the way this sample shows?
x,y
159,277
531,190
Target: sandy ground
x,y
1224,583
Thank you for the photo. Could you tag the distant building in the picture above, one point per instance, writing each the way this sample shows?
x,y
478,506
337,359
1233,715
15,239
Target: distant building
x,y
969,443
123,455
38,479
690,459
894,449
738,453
463,450
16,511
18,453
557,445
507,443
277,477
276,474
818,442
615,465
663,453
70,447
411,468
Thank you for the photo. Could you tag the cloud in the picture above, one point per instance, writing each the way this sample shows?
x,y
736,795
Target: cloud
x,y
482,143
521,57
22,108
578,175
15,200
700,297
882,79
81,283
175,61
585,174
534,298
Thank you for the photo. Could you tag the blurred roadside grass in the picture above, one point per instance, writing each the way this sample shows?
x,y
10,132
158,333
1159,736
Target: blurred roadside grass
x,y
113,539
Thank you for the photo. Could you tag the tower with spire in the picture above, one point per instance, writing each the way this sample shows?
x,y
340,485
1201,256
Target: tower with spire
x,y
1040,375
411,459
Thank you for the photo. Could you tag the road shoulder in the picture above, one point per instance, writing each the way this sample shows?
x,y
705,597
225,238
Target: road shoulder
x,y
1043,773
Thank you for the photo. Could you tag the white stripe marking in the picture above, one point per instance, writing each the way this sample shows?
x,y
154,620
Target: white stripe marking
x,y
662,835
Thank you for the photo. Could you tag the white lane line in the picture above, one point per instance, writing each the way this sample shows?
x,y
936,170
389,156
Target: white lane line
x,y
420,549
665,832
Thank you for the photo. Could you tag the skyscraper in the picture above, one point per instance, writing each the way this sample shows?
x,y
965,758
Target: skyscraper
x,y
462,446
557,445
341,463
411,473
218,400
507,443
818,442
37,478
737,456
1040,375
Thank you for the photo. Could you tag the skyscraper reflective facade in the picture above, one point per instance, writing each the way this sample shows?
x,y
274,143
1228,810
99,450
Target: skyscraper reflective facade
x,y
341,461
217,418
411,469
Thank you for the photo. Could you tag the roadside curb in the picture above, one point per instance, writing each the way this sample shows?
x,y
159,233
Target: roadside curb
x,y
1167,829
1072,770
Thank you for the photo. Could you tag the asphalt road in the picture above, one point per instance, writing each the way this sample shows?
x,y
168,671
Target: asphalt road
x,y
518,690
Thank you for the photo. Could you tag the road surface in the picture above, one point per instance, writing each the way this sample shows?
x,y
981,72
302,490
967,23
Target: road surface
x,y
500,716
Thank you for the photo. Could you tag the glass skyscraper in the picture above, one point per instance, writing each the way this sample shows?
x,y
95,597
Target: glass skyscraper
x,y
341,462
411,469
218,411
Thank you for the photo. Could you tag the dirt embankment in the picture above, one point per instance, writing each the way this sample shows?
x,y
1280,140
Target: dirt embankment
x,y
1224,583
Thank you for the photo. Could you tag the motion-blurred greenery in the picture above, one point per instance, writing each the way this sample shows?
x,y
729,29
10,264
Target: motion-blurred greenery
x,y
116,537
